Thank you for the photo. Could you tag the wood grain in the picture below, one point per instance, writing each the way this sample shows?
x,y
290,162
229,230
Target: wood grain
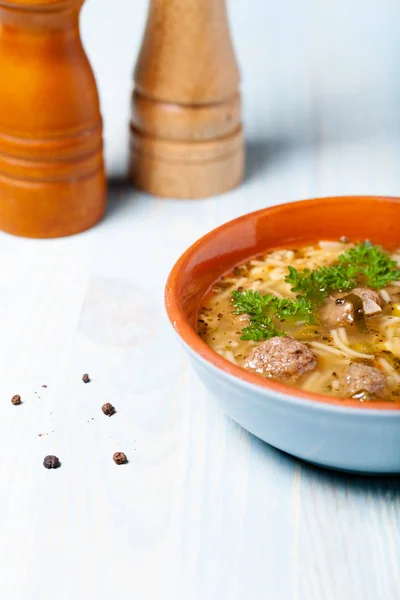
x,y
52,180
186,133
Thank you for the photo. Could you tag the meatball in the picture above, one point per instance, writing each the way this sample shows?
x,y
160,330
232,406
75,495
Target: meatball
x,y
344,311
281,358
362,381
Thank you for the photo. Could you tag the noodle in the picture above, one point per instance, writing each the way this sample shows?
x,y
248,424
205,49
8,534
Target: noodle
x,y
228,354
277,273
262,263
385,296
326,349
393,346
389,369
331,246
346,349
389,321
343,336
268,290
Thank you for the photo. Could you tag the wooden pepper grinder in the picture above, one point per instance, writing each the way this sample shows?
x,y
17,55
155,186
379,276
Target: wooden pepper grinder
x,y
186,134
52,180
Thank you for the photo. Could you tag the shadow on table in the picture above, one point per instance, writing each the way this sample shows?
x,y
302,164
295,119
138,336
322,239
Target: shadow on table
x,y
120,190
349,483
261,153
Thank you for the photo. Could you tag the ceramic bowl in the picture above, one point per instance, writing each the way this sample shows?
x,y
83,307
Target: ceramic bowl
x,y
341,434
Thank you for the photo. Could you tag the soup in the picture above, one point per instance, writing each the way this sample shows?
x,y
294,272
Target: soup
x,y
324,318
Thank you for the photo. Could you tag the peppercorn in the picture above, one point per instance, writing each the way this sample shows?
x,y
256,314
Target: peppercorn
x,y
119,458
16,399
108,409
51,462
85,378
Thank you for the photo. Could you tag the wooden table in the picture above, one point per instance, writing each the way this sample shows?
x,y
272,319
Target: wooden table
x,y
203,511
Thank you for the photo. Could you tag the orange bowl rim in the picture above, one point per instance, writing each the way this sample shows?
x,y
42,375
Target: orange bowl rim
x,y
186,332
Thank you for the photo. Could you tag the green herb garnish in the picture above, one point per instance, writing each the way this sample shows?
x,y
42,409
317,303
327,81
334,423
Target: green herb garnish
x,y
364,264
263,308
316,285
260,329
372,266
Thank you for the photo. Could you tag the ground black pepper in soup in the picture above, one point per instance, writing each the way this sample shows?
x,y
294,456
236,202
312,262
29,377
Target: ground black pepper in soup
x,y
304,316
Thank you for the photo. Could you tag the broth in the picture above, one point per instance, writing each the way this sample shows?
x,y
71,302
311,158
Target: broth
x,y
374,341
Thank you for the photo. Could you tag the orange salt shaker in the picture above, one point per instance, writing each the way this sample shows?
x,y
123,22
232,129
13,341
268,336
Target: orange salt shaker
x,y
52,180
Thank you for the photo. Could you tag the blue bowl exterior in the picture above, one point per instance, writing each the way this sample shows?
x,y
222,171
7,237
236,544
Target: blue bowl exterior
x,y
333,436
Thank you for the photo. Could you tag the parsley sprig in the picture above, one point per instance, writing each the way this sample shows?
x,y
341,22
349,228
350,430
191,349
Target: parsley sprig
x,y
364,264
260,329
316,285
264,308
370,265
